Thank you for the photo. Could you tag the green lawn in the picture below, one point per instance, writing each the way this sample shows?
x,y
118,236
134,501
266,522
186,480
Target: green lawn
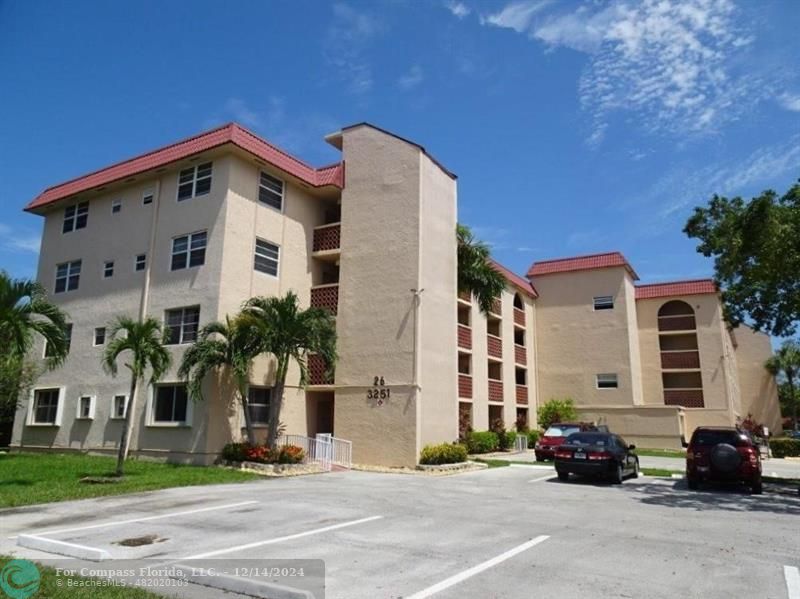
x,y
27,478
662,453
58,587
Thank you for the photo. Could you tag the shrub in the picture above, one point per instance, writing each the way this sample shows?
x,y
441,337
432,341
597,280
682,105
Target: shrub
x,y
446,453
511,439
234,452
785,448
498,427
556,410
522,424
533,437
482,442
245,452
291,454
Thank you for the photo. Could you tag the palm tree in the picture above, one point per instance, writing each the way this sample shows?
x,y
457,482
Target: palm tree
x,y
786,361
476,275
143,341
231,345
25,310
289,333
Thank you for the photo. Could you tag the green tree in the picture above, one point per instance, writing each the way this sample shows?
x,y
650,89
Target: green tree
x,y
556,410
24,312
16,379
142,343
476,275
786,363
229,346
756,250
289,333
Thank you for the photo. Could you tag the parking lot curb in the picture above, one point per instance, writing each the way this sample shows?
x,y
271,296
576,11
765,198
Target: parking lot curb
x,y
62,548
245,586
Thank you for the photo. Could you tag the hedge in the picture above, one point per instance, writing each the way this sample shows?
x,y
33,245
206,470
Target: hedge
x,y
533,437
482,442
446,453
244,452
785,448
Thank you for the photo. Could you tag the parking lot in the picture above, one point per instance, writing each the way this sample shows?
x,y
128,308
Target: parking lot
x,y
506,532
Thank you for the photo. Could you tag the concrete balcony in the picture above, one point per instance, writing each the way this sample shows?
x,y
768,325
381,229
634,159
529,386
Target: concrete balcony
x,y
687,398
495,390
327,240
326,297
680,360
316,371
520,355
522,394
519,317
494,346
676,323
465,298
497,307
465,386
464,337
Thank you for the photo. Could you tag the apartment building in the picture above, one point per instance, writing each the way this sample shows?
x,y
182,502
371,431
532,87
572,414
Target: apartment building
x,y
652,361
188,232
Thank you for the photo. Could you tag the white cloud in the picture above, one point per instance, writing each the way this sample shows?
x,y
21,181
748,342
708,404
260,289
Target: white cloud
x,y
19,241
345,45
790,102
517,15
242,113
411,79
458,9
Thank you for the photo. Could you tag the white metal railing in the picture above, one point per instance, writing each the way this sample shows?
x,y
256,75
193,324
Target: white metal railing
x,y
341,450
521,443
324,450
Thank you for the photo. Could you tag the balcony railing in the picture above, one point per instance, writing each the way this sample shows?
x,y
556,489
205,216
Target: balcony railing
x,y
519,317
464,386
464,296
676,360
327,237
676,323
494,346
522,394
495,390
520,355
497,307
326,297
688,398
316,371
464,336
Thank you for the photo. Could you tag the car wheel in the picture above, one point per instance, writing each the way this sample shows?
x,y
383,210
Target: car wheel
x,y
757,487
616,475
635,469
563,476
694,484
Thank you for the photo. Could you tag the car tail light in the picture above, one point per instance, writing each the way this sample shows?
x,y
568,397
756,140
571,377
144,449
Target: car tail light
x,y
563,454
599,455
750,454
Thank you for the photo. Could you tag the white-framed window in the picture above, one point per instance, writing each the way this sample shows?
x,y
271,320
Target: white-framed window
x,y
108,269
189,251
75,217
258,399
116,206
270,191
140,263
99,336
85,407
607,381
267,257
181,325
194,181
147,198
170,406
46,406
604,302
68,276
119,404
67,338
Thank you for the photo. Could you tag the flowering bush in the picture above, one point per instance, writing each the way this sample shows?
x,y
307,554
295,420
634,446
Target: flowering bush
x,y
245,452
291,454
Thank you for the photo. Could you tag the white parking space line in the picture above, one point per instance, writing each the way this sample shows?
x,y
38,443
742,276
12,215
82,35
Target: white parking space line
x,y
536,480
531,466
462,576
144,519
792,576
299,535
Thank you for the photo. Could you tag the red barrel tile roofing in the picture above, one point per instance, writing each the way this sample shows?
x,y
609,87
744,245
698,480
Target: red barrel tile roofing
x,y
232,133
590,262
672,288
516,280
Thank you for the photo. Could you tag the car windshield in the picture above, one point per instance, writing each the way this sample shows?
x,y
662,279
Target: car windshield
x,y
710,437
561,431
588,439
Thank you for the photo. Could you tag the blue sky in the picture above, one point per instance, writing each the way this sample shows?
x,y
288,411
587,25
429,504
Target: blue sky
x,y
574,127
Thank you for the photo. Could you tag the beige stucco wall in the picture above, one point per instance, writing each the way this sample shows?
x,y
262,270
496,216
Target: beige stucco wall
x,y
759,391
644,426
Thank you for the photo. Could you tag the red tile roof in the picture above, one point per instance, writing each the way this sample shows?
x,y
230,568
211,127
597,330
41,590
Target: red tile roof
x,y
672,288
522,284
591,262
231,133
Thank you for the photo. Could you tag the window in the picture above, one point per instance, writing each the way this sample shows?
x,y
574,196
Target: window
x,y
116,206
108,269
267,255
170,404
258,404
85,407
194,181
182,325
67,338
604,302
68,276
147,198
607,381
189,251
270,191
118,406
45,406
141,262
100,336
75,217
